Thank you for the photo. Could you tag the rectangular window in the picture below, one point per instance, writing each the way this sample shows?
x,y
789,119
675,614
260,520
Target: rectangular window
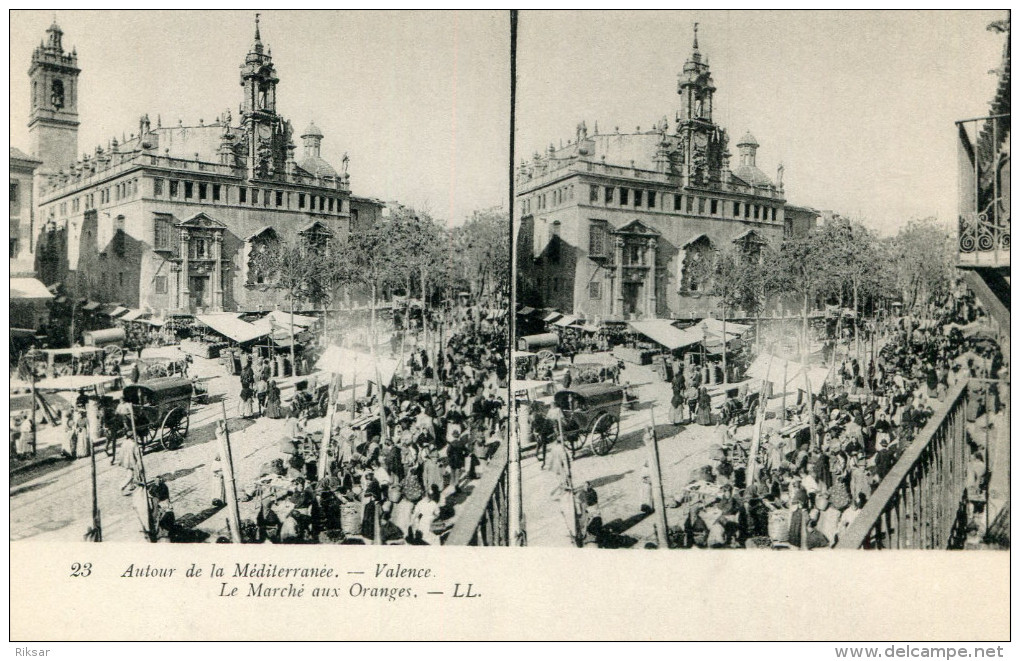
x,y
637,197
678,202
160,283
747,210
609,194
331,205
120,279
243,195
157,187
216,192
202,191
322,203
267,197
701,205
279,198
624,196
736,209
755,212
301,201
651,199
773,214
715,207
690,204
594,290
254,196
14,193
593,194
161,235
597,238
189,190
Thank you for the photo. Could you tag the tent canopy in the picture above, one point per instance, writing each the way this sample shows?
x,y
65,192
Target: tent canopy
x,y
355,366
715,327
794,373
566,321
134,315
232,327
525,311
29,288
665,333
281,318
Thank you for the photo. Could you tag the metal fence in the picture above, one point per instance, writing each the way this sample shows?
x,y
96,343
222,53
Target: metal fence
x,y
921,503
483,519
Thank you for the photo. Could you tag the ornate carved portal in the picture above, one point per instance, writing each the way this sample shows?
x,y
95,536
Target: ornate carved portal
x,y
634,279
200,275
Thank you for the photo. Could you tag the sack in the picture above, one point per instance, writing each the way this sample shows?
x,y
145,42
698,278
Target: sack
x,y
839,497
412,488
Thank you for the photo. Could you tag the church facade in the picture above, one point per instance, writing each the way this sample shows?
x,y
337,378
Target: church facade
x,y
168,219
612,225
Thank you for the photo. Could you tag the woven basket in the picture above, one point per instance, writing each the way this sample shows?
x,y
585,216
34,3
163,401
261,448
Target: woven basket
x,y
350,518
779,527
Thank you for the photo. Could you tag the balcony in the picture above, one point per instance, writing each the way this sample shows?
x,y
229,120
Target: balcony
x,y
983,231
921,502
483,519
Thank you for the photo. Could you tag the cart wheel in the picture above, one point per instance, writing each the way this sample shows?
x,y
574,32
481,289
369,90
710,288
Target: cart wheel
x,y
603,434
115,353
573,439
546,358
174,429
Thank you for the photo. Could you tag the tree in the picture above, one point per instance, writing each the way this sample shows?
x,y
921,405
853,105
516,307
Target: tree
x,y
482,249
295,268
922,255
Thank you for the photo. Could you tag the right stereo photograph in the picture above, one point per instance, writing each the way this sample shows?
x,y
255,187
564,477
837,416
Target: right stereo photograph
x,y
761,266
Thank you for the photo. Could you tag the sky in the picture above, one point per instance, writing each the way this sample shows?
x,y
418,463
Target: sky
x,y
420,101
858,106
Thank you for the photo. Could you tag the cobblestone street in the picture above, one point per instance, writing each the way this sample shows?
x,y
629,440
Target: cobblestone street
x,y
55,505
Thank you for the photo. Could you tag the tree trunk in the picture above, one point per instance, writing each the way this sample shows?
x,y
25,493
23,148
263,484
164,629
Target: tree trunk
x,y
293,351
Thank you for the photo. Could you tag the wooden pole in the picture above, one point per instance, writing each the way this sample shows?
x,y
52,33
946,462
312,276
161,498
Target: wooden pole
x,y
228,477
786,364
97,525
35,429
725,375
334,394
651,440
141,477
517,535
578,536
811,408
752,459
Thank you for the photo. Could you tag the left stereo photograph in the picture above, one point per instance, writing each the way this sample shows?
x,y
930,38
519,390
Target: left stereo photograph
x,y
260,284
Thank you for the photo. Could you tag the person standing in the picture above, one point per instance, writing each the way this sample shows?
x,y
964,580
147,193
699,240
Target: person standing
x,y
26,441
261,391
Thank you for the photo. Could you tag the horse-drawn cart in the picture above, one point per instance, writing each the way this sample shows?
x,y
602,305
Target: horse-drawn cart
x,y
162,410
591,414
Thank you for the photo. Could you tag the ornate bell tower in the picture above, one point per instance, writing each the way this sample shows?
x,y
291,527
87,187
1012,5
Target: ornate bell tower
x,y
262,126
53,116
702,142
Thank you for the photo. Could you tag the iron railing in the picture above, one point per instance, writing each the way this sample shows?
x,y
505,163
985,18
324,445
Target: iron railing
x,y
483,519
921,502
983,229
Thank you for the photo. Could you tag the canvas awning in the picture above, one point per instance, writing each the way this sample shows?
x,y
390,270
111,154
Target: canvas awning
x,y
91,305
72,383
281,318
794,373
552,316
525,311
118,311
134,315
715,327
665,333
231,327
29,288
565,321
355,366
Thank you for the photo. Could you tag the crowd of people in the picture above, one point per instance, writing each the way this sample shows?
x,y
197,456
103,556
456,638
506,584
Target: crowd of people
x,y
399,461
815,471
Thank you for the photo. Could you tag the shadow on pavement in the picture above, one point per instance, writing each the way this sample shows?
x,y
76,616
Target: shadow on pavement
x,y
636,438
31,487
608,479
